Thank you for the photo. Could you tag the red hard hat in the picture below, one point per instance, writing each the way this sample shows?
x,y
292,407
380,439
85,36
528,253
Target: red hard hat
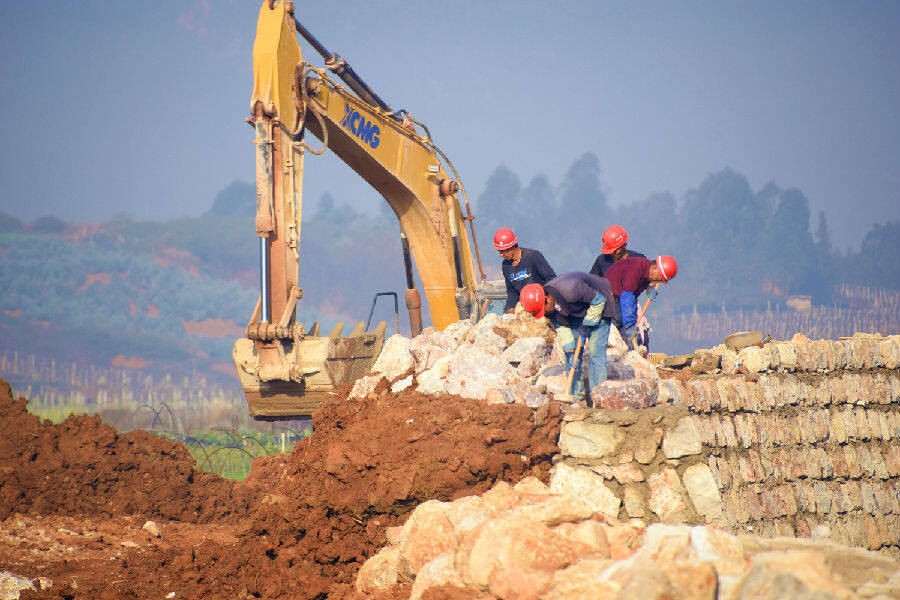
x,y
532,298
614,237
667,266
504,239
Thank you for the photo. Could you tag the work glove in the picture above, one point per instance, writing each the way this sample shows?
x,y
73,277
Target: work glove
x,y
652,293
629,335
643,327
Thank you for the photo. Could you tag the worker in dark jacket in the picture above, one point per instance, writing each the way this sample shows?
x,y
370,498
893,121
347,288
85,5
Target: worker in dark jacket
x,y
629,278
577,304
614,249
520,267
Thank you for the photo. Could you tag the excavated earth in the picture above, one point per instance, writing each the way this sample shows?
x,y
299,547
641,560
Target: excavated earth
x,y
74,497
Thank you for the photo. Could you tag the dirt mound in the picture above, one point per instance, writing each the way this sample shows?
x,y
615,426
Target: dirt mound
x,y
368,463
83,466
304,523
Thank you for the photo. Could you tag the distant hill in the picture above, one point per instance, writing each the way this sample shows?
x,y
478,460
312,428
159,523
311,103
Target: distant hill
x,y
171,297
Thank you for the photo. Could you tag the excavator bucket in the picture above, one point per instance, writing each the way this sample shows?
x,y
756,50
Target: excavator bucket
x,y
290,383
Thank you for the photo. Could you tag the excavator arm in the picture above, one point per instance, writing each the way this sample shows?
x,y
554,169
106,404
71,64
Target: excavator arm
x,y
284,368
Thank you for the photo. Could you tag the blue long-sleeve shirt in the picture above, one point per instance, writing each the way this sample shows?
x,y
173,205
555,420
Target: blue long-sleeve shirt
x,y
532,268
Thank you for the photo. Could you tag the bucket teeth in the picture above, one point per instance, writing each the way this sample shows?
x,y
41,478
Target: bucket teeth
x,y
360,327
306,372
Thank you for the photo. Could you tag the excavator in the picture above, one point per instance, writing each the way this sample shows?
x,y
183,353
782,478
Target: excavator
x,y
284,368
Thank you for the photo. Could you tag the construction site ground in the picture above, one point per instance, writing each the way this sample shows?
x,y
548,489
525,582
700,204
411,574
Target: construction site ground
x,y
75,497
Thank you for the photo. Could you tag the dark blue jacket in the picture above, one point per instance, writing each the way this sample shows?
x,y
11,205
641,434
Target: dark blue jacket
x,y
532,268
574,293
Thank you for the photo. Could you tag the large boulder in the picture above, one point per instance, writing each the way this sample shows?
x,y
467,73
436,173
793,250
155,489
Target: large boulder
x,y
433,381
631,393
527,355
395,359
552,380
523,325
472,372
586,485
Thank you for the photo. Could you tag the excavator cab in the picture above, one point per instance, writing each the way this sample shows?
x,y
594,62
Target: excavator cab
x,y
284,367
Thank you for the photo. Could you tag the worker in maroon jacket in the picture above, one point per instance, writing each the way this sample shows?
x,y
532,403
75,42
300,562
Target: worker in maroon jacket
x,y
631,276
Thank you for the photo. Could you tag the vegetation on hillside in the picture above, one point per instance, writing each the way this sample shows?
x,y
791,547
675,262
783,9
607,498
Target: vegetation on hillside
x,y
92,292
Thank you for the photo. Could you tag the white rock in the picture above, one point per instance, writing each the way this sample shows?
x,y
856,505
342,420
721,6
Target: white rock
x,y
395,358
152,528
365,385
502,396
703,491
402,384
458,330
682,440
552,380
642,367
527,355
439,571
432,381
11,585
616,346
472,372
425,354
586,485
382,571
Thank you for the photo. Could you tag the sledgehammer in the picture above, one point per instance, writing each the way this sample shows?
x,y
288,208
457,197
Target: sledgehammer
x,y
575,358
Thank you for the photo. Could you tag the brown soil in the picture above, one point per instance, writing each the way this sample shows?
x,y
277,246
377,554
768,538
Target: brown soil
x,y
300,526
83,466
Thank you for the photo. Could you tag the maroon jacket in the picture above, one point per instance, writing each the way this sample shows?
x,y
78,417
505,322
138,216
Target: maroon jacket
x,y
629,275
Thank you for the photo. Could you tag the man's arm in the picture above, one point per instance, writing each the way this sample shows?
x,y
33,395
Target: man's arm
x,y
595,268
543,268
628,303
511,295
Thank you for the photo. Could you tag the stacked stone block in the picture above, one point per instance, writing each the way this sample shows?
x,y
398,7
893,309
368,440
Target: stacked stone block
x,y
799,439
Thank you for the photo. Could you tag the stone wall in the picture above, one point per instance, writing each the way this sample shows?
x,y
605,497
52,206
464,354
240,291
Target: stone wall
x,y
788,439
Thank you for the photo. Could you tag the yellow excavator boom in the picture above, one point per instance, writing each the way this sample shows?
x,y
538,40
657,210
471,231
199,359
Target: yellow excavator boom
x,y
284,368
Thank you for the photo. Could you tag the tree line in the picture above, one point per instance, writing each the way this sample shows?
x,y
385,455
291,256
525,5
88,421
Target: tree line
x,y
737,248
734,245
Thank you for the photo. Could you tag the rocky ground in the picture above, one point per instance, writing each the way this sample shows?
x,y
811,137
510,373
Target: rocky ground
x,y
432,478
531,541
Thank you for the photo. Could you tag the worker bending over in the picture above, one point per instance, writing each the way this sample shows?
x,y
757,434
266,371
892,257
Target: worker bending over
x,y
577,304
613,250
521,266
630,277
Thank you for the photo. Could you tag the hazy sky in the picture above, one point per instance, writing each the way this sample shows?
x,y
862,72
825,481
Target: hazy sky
x,y
139,107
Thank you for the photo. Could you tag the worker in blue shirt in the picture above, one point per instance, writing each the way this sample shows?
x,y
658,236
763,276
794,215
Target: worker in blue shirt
x,y
520,267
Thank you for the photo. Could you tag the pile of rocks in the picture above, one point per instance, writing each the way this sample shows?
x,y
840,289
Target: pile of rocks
x,y
503,359
863,351
531,541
